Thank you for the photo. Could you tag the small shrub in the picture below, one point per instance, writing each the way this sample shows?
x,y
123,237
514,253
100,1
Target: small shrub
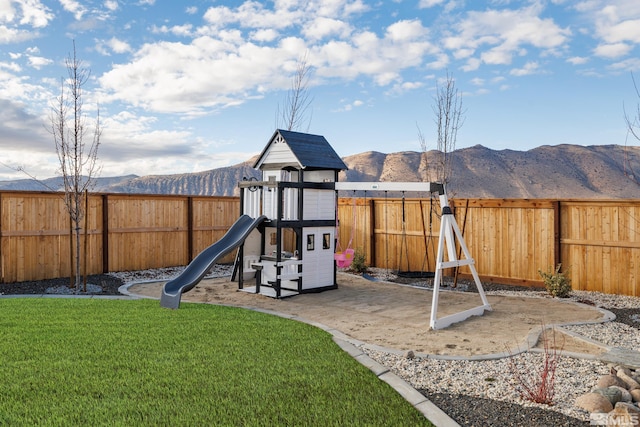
x,y
537,383
556,282
358,265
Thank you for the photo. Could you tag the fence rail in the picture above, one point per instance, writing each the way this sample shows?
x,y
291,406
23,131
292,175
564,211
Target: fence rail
x,y
597,241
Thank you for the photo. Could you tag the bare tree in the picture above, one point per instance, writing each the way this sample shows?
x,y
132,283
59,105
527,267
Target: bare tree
x,y
449,118
78,161
633,129
633,122
293,113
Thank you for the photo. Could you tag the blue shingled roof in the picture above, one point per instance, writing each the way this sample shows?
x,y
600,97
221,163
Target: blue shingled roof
x,y
312,151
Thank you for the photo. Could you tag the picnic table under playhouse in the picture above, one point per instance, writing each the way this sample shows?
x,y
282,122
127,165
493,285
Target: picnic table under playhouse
x,y
286,235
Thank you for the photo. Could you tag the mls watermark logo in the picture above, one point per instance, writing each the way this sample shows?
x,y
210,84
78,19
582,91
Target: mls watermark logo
x,y
602,419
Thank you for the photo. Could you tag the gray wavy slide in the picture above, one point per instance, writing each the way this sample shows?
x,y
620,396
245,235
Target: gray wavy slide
x,y
201,264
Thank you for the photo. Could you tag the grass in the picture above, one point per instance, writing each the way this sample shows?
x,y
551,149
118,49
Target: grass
x,y
109,362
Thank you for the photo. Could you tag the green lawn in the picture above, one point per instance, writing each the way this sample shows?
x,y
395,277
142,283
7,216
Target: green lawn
x,y
110,362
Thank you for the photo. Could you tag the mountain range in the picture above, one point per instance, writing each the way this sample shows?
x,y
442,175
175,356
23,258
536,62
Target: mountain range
x,y
554,172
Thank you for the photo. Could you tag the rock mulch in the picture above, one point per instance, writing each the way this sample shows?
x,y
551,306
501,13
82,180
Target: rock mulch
x,y
614,399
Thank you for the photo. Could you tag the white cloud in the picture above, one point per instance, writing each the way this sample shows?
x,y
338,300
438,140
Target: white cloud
x,y
185,30
213,72
253,15
74,7
406,30
19,19
472,64
132,142
498,35
111,5
578,60
425,4
38,62
264,35
322,27
348,106
440,62
193,78
404,45
615,50
12,66
25,143
618,23
113,45
531,67
118,46
32,13
631,64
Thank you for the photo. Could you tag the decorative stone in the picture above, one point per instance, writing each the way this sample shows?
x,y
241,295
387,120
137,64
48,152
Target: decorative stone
x,y
630,383
609,380
633,409
635,394
594,402
624,414
625,395
623,369
613,393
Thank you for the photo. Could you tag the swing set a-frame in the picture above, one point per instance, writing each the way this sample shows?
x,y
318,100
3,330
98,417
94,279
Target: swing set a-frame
x,y
449,233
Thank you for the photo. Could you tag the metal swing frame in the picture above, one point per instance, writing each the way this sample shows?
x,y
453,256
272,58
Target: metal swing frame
x,y
449,231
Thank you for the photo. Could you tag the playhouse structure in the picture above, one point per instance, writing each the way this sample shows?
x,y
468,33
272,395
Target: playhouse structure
x,y
292,252
286,234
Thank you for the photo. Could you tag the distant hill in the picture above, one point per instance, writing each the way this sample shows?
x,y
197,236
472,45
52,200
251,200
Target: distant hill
x,y
563,171
56,184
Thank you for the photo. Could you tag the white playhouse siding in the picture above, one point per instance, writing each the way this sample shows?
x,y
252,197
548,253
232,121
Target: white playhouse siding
x,y
279,152
317,271
319,204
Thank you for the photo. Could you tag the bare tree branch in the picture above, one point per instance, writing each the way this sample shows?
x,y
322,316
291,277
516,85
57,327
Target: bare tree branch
x,y
449,118
296,106
633,122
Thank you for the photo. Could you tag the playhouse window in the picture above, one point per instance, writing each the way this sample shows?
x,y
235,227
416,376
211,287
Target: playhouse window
x,y
326,241
311,242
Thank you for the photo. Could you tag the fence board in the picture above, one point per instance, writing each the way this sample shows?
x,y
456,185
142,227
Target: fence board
x,y
212,217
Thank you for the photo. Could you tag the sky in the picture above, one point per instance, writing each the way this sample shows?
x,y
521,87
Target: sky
x,y
189,86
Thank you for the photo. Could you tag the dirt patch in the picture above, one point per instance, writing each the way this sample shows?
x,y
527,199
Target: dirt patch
x,y
397,317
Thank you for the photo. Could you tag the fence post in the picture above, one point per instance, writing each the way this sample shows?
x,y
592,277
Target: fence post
x,y
557,234
190,228
71,263
1,243
105,233
371,231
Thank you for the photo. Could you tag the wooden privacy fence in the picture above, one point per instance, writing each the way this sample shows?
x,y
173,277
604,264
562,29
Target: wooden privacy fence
x,y
123,232
598,242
